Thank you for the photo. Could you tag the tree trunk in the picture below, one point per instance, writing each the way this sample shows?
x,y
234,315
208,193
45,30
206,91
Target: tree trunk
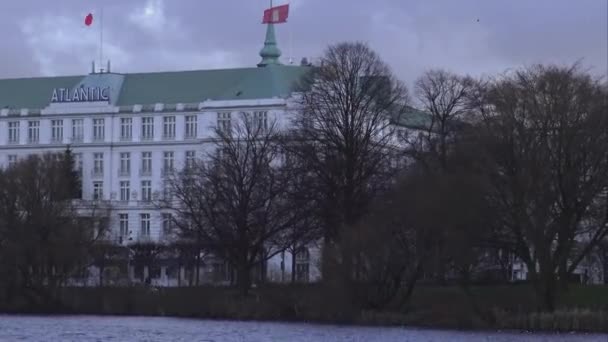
x,y
262,271
179,275
293,266
198,267
243,279
411,283
549,295
101,269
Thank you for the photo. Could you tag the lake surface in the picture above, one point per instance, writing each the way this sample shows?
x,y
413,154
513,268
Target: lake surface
x,y
153,329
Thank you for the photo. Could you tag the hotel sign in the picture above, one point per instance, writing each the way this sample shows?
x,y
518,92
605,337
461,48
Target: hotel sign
x,y
82,94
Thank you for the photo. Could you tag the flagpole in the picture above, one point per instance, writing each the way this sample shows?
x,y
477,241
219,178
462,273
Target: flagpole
x,y
101,39
290,40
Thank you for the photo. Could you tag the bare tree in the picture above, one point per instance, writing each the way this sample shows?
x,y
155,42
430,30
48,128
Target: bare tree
x,y
343,134
234,201
145,255
444,97
46,234
545,134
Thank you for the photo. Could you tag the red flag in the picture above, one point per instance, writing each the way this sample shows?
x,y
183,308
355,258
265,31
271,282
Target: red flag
x,y
88,20
276,15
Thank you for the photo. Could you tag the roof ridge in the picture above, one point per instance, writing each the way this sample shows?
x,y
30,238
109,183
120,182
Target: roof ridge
x,y
39,77
145,72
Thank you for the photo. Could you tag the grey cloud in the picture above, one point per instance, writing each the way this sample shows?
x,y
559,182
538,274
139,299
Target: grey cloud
x,y
410,35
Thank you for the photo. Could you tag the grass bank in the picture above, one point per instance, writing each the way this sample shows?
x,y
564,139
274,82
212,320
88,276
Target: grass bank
x,y
512,307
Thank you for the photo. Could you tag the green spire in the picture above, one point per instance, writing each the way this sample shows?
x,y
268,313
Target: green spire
x,y
270,52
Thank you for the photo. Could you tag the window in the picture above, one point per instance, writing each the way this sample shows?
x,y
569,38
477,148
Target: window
x,y
98,129
78,162
57,131
222,152
167,163
77,130
97,190
145,224
125,164
146,164
147,129
126,129
13,132
97,164
302,264
260,120
33,132
125,191
191,127
167,192
146,191
302,272
169,127
124,225
190,158
223,122
302,255
12,160
167,223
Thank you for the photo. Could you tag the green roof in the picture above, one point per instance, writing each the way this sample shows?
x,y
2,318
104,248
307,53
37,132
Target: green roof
x,y
161,87
412,118
32,92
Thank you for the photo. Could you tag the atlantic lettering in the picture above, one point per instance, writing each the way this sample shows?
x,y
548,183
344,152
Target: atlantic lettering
x,y
81,94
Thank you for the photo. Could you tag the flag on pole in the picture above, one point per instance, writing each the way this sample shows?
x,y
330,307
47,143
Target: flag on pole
x,y
88,20
276,15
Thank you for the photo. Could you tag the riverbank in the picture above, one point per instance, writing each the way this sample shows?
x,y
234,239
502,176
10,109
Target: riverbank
x,y
582,308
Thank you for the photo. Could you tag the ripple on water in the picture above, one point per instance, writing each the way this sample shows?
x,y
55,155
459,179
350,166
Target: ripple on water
x,y
157,329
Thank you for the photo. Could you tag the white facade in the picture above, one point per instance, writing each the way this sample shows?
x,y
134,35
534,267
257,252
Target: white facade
x,y
124,153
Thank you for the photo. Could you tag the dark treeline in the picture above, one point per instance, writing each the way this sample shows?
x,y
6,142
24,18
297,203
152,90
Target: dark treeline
x,y
487,172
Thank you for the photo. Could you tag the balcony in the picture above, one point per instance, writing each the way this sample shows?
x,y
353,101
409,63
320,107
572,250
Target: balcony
x,y
145,200
98,139
145,172
77,139
97,173
13,142
126,138
33,140
169,137
145,238
124,172
166,172
190,137
56,140
146,138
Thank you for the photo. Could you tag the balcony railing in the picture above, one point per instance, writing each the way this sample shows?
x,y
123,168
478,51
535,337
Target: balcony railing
x,y
13,142
190,136
144,238
98,139
56,140
146,138
126,138
124,172
97,173
77,139
169,137
145,201
165,172
145,172
33,140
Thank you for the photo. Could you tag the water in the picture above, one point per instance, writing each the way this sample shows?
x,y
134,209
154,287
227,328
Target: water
x,y
131,329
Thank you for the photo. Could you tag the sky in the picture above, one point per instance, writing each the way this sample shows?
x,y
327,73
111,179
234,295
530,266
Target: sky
x,y
476,37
